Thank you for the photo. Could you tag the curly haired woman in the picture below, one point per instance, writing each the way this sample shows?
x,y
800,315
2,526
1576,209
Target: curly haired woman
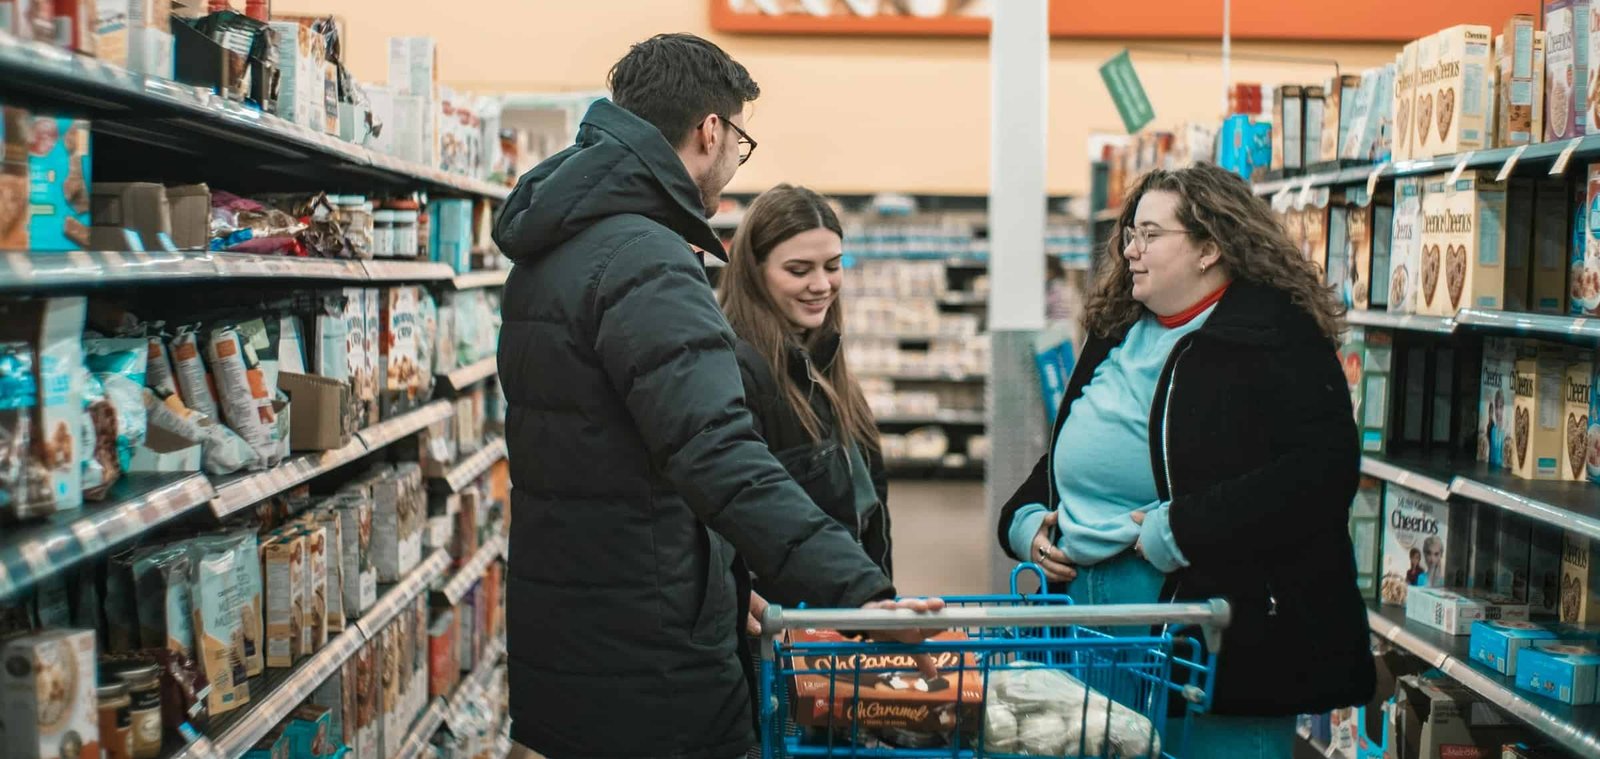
x,y
1206,448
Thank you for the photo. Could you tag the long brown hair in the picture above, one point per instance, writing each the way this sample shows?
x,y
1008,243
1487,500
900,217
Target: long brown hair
x,y
776,216
1214,206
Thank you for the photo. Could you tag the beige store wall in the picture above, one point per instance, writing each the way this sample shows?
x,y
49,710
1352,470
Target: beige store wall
x,y
839,114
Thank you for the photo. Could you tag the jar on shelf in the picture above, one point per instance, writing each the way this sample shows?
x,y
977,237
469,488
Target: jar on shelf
x,y
116,718
355,212
144,710
407,213
383,234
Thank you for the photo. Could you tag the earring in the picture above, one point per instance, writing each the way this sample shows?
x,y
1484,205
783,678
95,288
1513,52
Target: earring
x,y
1203,268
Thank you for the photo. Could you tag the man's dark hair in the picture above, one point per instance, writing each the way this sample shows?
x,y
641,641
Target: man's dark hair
x,y
675,80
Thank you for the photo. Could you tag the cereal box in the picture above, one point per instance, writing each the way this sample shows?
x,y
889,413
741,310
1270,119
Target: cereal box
x,y
1291,131
1539,92
1424,140
1514,111
1356,285
1405,93
400,369
1584,278
282,560
1566,28
1405,254
1497,392
1381,230
1453,610
1365,522
1315,98
54,329
1495,643
47,696
1377,368
1566,671
1436,218
1455,89
367,722
1519,243
1471,241
372,310
1545,546
1593,439
219,631
1537,428
1576,393
1338,247
58,184
1510,554
1422,537
1552,243
1580,581
359,575
1339,106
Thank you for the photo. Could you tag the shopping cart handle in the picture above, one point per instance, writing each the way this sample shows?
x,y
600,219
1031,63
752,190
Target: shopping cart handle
x,y
1212,616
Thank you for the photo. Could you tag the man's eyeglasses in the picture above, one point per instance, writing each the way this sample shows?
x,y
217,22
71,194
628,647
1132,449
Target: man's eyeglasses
x,y
1139,238
747,146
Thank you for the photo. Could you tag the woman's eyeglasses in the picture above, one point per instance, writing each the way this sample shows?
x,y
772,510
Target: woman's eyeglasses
x,y
1139,239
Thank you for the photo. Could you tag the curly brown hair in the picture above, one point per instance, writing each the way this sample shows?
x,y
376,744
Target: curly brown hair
x,y
1215,206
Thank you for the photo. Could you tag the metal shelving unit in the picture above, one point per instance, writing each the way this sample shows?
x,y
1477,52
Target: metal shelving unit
x,y
1571,506
480,279
1575,727
472,571
473,466
137,502
172,117
471,374
278,692
1581,149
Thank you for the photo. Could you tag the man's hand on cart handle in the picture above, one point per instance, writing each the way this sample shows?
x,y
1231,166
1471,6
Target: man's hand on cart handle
x,y
1047,555
921,606
758,609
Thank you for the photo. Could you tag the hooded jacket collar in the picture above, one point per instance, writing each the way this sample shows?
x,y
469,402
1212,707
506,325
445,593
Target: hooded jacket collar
x,y
620,164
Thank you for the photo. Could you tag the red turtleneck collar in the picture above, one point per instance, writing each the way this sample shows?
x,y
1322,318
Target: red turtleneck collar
x,y
1187,315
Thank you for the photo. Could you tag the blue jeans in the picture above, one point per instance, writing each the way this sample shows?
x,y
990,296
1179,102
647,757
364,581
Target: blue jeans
x,y
1128,579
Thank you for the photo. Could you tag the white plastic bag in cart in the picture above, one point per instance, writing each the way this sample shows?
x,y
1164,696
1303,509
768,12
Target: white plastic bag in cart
x,y
1040,712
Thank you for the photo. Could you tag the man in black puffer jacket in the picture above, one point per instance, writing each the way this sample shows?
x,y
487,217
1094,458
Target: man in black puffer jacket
x,y
637,473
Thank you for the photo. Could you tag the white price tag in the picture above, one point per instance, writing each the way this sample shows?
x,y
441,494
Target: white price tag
x,y
1560,166
88,536
21,265
1510,164
36,557
1461,165
1305,194
1372,179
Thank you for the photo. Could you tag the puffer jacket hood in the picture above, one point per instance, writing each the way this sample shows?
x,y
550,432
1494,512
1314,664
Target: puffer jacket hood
x,y
621,164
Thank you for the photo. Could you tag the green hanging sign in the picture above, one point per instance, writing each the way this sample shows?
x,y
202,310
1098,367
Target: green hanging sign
x,y
1126,92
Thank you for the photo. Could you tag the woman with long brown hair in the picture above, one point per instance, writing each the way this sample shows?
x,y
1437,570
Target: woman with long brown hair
x,y
1206,447
780,292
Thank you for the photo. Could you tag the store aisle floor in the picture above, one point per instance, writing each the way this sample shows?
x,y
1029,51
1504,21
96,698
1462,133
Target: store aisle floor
x,y
941,537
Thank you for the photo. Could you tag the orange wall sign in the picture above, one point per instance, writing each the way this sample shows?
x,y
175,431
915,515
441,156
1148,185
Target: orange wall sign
x,y
1347,20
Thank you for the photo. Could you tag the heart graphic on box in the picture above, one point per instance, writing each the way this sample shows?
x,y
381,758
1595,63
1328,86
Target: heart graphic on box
x,y
1424,117
1402,122
1430,273
1447,104
1577,443
1520,432
1455,274
1397,286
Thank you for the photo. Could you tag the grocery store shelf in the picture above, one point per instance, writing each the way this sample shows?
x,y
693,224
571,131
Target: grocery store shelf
x,y
1426,477
968,418
472,686
407,271
471,374
928,377
277,692
79,269
1534,155
1571,506
404,425
478,279
1575,727
235,492
469,470
398,596
1314,746
471,572
964,299
933,468
908,337
1531,325
422,731
136,503
170,116
1409,322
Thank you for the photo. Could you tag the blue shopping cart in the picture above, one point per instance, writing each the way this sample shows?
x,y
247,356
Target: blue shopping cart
x,y
1018,675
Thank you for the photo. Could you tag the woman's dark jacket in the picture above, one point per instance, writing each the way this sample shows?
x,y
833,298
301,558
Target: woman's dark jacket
x,y
1253,441
822,468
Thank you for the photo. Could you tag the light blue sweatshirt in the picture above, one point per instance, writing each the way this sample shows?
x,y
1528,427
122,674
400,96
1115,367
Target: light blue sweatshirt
x,y
1102,459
